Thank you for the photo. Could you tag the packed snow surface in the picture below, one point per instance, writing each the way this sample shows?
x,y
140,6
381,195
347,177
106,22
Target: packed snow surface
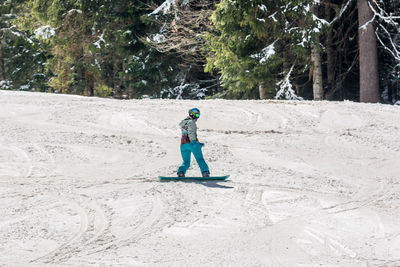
x,y
312,183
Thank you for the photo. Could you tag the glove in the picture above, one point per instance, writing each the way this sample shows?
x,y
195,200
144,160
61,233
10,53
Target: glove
x,y
202,144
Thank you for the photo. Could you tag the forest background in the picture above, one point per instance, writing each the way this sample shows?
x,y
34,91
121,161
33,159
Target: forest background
x,y
195,49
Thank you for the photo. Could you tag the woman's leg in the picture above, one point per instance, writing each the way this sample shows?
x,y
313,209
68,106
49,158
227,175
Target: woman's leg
x,y
186,154
196,149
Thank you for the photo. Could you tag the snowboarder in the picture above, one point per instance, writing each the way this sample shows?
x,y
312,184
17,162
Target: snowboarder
x,y
190,144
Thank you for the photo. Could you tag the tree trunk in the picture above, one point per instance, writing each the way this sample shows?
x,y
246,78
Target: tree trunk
x,y
2,70
369,80
89,83
318,90
262,91
330,64
117,80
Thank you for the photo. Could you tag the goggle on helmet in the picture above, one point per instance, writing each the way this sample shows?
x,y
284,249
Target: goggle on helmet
x,y
194,113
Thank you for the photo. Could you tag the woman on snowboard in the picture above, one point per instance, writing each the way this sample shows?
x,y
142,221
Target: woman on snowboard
x,y
190,144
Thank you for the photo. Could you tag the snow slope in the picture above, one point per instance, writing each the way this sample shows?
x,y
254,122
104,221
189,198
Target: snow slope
x,y
312,183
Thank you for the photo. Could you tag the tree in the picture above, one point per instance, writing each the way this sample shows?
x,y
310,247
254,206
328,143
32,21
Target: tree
x,y
340,67
2,70
23,56
387,18
94,44
180,39
6,15
284,49
318,91
369,80
4,22
258,44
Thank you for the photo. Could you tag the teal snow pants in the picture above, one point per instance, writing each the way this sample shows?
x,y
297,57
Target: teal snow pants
x,y
186,151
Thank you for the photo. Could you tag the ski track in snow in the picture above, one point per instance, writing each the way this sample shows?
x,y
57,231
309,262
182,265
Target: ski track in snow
x,y
312,183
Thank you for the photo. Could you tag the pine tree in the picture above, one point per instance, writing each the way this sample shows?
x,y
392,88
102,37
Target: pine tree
x,y
100,48
256,49
23,56
138,68
260,43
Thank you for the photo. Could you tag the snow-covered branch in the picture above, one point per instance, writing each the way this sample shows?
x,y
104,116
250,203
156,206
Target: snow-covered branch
x,y
45,32
265,53
164,8
384,19
394,50
286,88
341,12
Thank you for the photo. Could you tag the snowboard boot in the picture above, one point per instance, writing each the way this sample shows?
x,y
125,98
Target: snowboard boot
x,y
181,174
206,174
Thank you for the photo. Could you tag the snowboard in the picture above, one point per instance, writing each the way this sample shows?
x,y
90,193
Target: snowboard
x,y
211,178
